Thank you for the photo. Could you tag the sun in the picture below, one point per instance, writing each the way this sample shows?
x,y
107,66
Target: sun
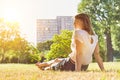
x,y
11,15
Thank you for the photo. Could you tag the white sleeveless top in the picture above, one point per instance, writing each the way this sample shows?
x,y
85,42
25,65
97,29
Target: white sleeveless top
x,y
88,47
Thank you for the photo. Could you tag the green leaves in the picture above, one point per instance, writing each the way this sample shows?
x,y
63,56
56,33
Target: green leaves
x,y
61,45
43,46
104,15
13,47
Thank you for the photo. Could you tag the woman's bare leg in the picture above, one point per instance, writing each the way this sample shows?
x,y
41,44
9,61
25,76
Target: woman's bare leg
x,y
49,63
44,64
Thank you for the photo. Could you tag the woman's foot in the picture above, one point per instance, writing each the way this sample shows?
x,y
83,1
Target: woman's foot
x,y
39,65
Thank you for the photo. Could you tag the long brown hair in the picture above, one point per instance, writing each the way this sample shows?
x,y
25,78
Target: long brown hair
x,y
86,22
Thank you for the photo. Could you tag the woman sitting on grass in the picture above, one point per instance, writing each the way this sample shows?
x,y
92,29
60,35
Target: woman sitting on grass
x,y
84,45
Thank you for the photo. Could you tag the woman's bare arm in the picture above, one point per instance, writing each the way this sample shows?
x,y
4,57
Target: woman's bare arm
x,y
98,58
78,55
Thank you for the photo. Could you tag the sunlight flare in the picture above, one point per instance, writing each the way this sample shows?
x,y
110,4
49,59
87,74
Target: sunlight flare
x,y
11,15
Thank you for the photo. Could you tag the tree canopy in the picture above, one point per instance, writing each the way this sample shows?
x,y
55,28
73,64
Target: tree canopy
x,y
61,45
13,47
105,19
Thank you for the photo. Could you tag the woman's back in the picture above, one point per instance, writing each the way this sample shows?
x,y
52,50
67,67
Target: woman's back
x,y
88,43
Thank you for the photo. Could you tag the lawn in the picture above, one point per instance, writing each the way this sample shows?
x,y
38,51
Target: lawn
x,y
31,72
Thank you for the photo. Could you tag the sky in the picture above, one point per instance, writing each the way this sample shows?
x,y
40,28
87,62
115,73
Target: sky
x,y
27,11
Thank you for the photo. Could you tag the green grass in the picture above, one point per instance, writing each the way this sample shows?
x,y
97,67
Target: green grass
x,y
31,72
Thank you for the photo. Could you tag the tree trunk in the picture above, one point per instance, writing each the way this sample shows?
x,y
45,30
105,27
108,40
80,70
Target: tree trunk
x,y
109,45
3,59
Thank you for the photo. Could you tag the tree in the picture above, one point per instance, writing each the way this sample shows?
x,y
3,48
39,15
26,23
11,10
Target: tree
x,y
8,31
61,45
104,16
13,47
43,46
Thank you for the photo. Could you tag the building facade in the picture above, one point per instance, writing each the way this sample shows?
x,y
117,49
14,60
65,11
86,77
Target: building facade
x,y
46,28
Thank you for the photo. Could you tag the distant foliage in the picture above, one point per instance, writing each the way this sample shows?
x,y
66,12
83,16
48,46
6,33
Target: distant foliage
x,y
43,46
13,47
61,45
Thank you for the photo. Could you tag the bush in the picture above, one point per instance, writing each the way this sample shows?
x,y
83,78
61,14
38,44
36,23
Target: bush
x,y
43,46
61,45
29,54
33,58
